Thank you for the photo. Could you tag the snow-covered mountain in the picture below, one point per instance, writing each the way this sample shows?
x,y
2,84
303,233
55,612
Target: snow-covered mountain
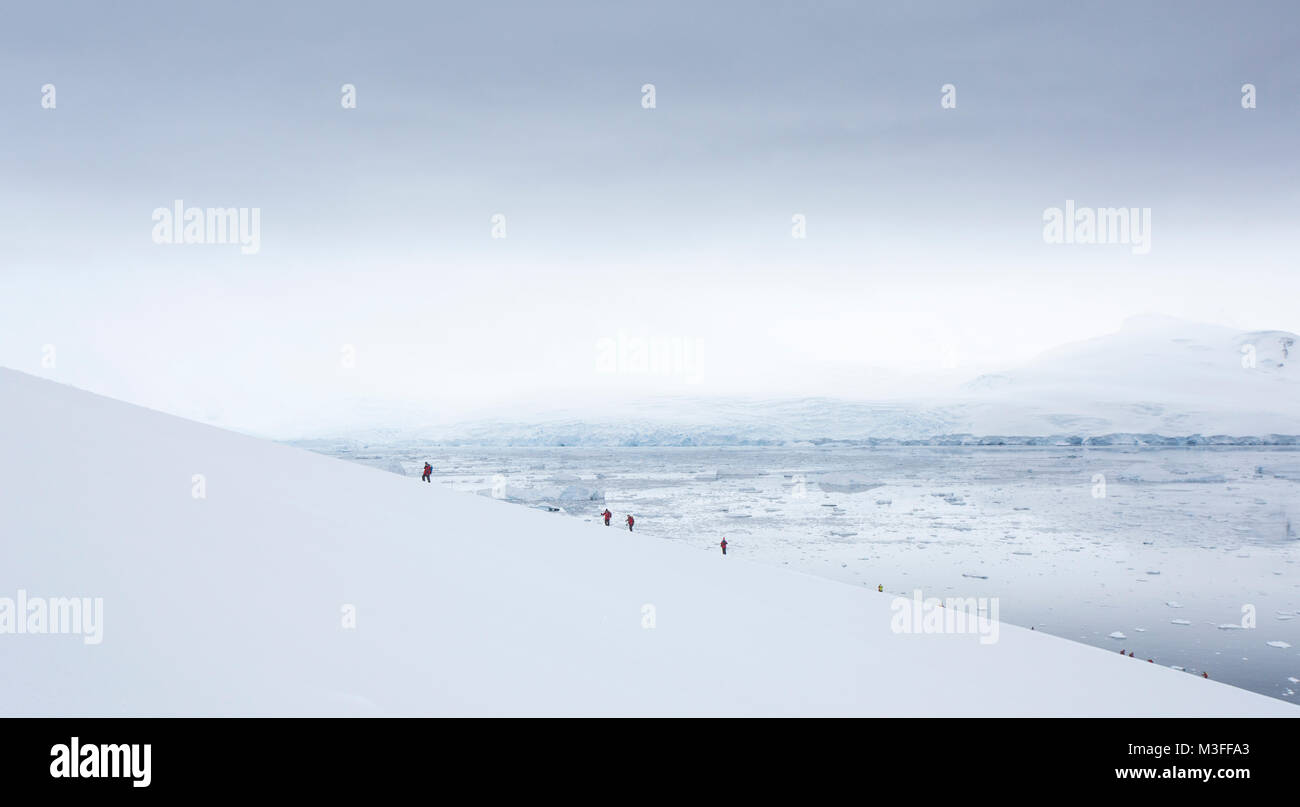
x,y
1157,377
236,576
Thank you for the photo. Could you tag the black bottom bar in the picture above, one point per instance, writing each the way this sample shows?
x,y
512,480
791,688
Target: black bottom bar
x,y
334,757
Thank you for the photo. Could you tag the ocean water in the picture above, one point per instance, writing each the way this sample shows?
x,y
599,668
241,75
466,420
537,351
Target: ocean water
x,y
1185,556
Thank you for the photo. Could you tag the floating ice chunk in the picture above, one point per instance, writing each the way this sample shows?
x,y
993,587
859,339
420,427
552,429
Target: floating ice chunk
x,y
976,576
1229,626
1142,473
1281,644
544,494
846,483
1174,604
1149,571
1176,667
1180,622
1118,635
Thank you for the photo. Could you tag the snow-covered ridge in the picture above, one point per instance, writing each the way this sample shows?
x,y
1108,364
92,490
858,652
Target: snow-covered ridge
x,y
1158,381
511,434
240,576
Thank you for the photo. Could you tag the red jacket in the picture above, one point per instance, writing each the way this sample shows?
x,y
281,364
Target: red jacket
x,y
724,543
630,521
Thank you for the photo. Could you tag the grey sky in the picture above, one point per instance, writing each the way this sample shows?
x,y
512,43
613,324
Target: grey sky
x,y
924,245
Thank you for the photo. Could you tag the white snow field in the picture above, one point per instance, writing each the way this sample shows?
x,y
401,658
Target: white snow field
x,y
233,604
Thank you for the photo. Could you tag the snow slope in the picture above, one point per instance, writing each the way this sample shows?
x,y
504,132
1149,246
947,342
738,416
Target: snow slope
x,y
231,604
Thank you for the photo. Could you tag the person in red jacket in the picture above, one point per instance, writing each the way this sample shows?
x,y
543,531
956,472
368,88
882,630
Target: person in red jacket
x,y
630,522
724,544
608,515
428,471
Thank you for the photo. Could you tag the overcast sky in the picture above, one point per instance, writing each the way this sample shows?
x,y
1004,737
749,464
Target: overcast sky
x,y
378,279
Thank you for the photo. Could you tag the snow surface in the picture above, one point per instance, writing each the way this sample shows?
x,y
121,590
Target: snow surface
x,y
1022,523
231,604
